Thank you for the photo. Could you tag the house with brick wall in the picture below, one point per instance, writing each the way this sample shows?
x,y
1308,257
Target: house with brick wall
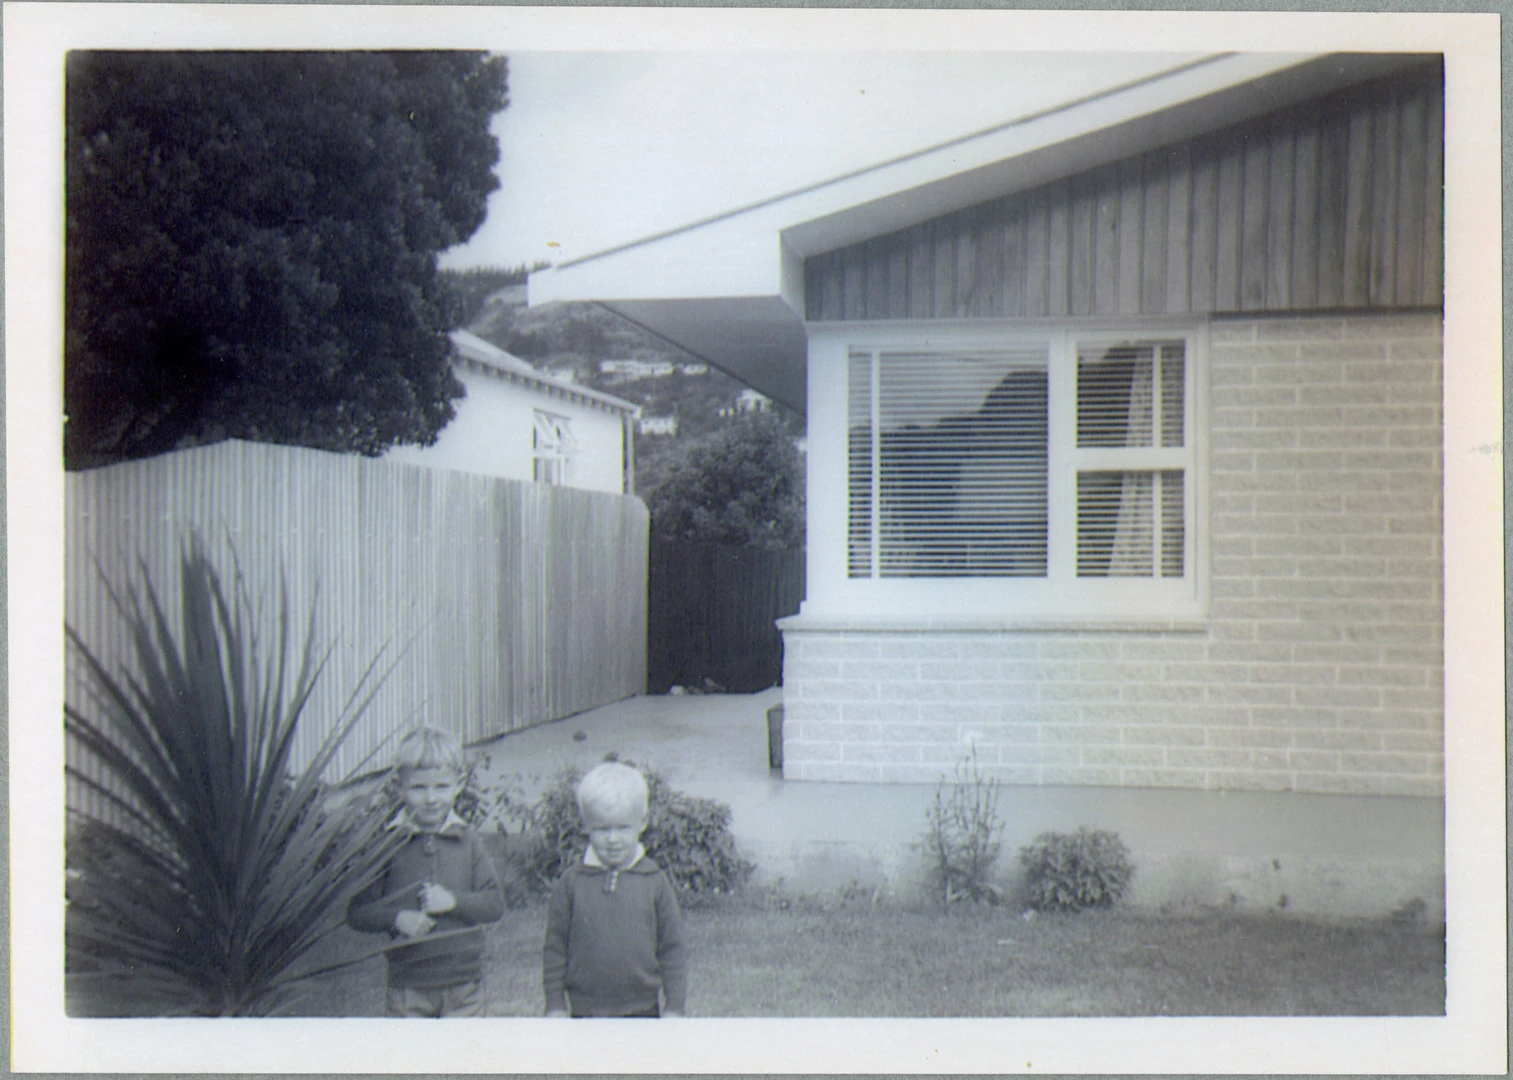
x,y
1124,432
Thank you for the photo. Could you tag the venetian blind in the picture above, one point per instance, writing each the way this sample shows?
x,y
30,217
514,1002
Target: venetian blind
x,y
947,463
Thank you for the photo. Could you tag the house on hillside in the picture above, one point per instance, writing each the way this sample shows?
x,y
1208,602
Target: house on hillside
x,y
750,401
522,424
637,369
1124,432
658,425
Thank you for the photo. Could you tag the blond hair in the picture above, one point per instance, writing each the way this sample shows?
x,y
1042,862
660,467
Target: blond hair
x,y
429,748
613,785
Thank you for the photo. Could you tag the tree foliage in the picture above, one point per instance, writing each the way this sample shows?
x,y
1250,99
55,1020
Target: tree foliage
x,y
742,485
252,242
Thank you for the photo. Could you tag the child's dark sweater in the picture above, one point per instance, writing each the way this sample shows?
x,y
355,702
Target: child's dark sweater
x,y
613,939
453,857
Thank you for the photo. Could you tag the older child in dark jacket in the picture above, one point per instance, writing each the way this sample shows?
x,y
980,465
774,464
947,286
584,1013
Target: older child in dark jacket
x,y
437,892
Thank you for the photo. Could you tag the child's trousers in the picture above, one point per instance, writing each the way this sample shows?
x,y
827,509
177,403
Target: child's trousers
x,y
464,999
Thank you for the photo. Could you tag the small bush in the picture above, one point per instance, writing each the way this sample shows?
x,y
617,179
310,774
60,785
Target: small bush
x,y
1069,872
554,838
962,832
688,836
485,803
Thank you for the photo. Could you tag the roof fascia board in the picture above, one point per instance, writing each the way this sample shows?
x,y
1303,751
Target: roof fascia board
x,y
753,251
985,158
1094,133
714,257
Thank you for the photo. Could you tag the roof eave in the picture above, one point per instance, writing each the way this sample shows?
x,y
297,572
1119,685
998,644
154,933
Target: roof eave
x,y
583,395
714,287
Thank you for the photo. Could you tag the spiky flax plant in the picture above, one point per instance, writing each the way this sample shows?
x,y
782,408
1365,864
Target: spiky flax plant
x,y
203,869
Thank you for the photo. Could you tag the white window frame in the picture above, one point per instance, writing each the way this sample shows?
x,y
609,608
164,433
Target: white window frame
x,y
552,448
1060,595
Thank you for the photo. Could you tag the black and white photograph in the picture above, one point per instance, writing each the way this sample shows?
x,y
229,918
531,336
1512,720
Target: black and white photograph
x,y
884,541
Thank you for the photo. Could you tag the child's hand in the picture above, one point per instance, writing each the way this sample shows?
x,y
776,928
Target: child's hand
x,y
556,1014
413,924
436,899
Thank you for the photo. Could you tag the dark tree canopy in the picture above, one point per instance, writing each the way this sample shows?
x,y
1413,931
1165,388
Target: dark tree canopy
x,y
252,242
742,485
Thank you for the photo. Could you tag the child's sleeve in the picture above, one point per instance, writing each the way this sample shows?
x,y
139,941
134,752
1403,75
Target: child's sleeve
x,y
372,912
672,957
559,916
484,902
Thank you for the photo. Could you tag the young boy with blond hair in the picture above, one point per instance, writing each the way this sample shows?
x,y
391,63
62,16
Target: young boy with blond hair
x,y
614,935
438,890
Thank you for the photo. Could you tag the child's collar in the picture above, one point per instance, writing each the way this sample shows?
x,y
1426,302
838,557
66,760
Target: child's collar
x,y
452,826
591,858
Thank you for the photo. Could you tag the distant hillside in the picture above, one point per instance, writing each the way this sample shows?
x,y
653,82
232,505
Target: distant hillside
x,y
576,339
471,289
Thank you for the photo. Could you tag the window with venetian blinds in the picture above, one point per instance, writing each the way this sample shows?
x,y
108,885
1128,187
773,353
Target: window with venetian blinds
x,y
978,462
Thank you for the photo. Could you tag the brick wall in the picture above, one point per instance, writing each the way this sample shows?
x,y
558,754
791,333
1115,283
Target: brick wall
x,y
1319,667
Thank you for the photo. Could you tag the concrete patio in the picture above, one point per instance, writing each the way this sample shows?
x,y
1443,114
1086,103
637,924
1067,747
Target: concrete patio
x,y
1333,854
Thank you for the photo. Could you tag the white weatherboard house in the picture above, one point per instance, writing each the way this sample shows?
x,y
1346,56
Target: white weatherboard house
x,y
522,424
1124,433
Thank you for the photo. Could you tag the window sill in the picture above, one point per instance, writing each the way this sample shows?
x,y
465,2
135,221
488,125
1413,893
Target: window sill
x,y
805,622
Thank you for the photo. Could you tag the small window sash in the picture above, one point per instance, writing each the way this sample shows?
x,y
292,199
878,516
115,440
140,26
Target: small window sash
x,y
552,448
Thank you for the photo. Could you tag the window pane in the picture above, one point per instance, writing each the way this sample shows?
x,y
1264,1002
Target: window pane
x,y
1117,524
1172,529
552,445
1173,385
1117,404
1114,527
958,462
859,465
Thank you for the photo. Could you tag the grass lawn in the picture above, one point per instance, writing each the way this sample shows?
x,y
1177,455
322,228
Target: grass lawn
x,y
802,959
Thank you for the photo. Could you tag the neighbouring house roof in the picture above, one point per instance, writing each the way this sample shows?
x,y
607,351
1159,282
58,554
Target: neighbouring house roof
x,y
480,355
731,289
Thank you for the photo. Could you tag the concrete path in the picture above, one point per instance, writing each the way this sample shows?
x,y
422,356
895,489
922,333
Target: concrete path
x,y
1341,854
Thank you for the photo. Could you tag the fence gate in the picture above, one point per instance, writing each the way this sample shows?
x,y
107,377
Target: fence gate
x,y
710,613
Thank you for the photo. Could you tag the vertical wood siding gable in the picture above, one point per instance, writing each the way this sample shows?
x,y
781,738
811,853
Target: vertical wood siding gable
x,y
1334,203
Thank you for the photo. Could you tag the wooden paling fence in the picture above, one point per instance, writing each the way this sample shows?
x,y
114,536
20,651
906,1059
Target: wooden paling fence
x,y
501,604
711,613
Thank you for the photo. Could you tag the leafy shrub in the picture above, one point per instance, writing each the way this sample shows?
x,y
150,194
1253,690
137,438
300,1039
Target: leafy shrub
x,y
487,802
688,836
962,833
202,870
555,838
1069,872
742,484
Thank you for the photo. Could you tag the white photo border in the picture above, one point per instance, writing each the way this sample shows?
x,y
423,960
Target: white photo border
x,y
1471,1038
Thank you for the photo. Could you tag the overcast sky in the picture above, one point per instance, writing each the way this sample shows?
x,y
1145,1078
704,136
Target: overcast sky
x,y
601,148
